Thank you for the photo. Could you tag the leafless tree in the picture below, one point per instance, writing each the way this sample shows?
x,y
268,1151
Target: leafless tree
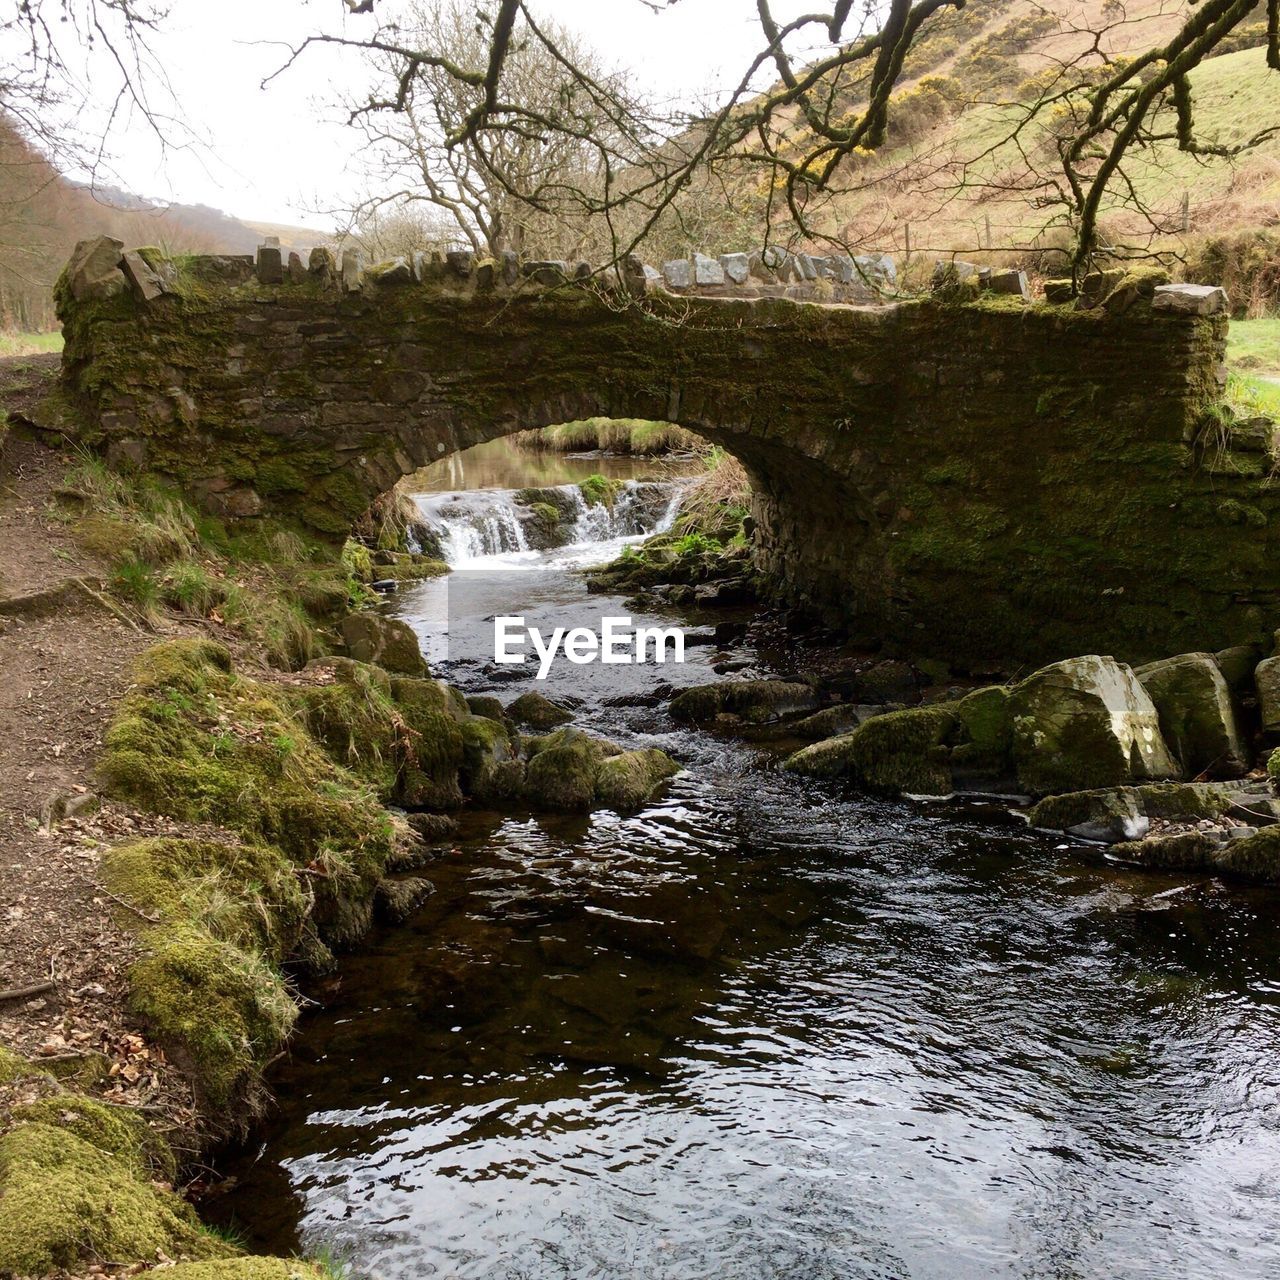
x,y
809,115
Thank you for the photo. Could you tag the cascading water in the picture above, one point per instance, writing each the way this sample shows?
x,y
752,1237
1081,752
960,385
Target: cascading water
x,y
479,525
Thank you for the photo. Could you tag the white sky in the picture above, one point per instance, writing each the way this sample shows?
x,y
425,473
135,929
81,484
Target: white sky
x,y
280,154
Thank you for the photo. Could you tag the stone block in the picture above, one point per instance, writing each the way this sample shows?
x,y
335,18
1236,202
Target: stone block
x,y
1012,282
1190,299
878,269
706,270
510,266
322,266
735,266
297,272
397,271
94,268
678,273
951,272
550,272
459,262
146,283
352,270
270,264
1058,291
1266,677
806,266
582,271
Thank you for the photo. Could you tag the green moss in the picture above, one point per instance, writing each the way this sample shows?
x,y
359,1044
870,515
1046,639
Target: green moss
x,y
222,1006
562,778
1256,857
251,1269
900,752
599,490
196,742
117,1130
755,701
625,782
67,1202
433,746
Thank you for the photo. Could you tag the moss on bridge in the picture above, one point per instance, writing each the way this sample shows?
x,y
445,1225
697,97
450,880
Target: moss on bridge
x,y
984,480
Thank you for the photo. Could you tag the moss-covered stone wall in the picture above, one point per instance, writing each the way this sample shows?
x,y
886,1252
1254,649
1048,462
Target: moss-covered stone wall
x,y
987,481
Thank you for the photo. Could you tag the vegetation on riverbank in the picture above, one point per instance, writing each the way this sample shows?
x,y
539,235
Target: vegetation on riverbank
x,y
613,435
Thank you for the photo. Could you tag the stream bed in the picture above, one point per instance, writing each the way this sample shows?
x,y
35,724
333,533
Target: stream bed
x,y
767,1028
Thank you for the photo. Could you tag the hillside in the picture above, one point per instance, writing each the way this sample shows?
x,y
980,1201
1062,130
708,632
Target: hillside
x,y
42,215
950,180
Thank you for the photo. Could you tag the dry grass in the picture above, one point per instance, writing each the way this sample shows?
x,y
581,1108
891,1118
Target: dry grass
x,y
613,435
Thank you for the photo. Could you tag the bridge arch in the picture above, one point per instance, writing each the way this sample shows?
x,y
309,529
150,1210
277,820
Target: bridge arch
x,y
985,481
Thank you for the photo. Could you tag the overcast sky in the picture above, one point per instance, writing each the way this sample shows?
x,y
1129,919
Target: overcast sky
x,y
280,154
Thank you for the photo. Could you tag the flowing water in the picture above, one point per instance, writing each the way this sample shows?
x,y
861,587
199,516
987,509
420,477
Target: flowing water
x,y
767,1028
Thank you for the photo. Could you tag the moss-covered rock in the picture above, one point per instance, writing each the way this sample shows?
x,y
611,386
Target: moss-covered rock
x,y
626,781
1255,857
432,746
1197,716
220,1008
985,752
492,770
1085,723
65,1201
570,771
1181,851
561,775
830,722
538,712
599,490
1107,815
196,742
903,752
1237,666
388,642
754,701
1184,800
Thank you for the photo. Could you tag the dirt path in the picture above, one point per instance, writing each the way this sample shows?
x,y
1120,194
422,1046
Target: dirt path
x,y
64,663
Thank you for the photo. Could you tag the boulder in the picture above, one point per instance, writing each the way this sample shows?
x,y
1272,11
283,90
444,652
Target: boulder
x,y
94,269
1237,665
626,781
1190,299
538,711
1181,851
396,900
1108,816
1255,857
1266,677
736,267
352,270
755,701
386,642
321,266
1085,723
902,752
984,755
459,262
1197,717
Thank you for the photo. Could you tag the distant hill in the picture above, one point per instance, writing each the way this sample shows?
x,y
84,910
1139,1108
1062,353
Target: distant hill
x,y
42,215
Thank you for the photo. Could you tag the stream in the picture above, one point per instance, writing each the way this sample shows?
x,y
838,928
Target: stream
x,y
766,1027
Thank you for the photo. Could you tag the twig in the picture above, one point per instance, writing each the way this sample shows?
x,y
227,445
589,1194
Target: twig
x,y
21,993
106,604
137,911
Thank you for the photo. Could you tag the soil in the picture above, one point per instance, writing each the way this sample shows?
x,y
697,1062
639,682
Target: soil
x,y
64,664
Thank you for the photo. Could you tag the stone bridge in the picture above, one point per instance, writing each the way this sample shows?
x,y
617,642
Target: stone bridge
x,y
987,480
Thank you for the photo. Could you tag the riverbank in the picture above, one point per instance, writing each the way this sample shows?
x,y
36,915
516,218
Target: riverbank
x,y
196,799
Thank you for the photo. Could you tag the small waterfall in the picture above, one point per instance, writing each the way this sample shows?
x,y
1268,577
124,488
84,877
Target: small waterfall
x,y
476,524
483,523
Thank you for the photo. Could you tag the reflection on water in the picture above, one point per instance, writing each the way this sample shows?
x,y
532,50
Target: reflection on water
x,y
767,1029
503,464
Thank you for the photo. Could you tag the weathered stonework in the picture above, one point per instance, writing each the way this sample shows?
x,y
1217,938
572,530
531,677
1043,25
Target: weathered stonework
x,y
988,481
